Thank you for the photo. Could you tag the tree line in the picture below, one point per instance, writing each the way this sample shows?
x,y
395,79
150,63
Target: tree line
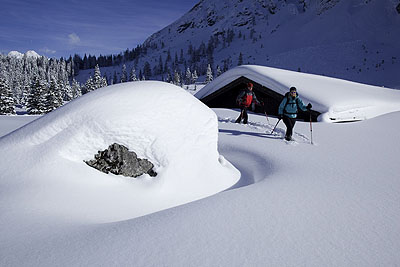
x,y
42,84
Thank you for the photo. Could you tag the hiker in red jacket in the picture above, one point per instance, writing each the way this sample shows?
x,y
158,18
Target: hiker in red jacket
x,y
244,100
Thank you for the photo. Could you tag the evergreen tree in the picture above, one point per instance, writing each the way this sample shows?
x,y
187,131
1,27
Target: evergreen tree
x,y
188,76
133,77
177,78
124,75
36,99
147,70
168,56
240,61
160,66
176,60
64,93
209,75
115,78
97,79
51,101
219,71
168,80
103,82
6,97
194,76
89,85
76,89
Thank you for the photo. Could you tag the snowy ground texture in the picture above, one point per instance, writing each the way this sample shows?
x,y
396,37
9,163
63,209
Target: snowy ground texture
x,y
334,203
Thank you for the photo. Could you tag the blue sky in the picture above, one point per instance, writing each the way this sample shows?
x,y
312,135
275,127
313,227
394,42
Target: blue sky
x,y
59,28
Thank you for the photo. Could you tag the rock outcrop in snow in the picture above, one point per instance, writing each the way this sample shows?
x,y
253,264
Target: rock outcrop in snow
x,y
118,160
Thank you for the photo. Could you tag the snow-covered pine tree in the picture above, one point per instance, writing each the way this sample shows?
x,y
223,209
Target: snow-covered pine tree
x,y
61,91
124,75
103,82
76,89
132,76
65,91
177,78
188,76
6,97
35,101
194,76
97,80
219,71
89,85
209,75
51,102
168,79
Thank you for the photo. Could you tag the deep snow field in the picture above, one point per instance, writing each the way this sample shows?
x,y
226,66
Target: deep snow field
x,y
333,203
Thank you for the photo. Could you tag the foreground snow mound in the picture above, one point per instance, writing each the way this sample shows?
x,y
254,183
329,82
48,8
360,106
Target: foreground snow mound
x,y
158,121
337,100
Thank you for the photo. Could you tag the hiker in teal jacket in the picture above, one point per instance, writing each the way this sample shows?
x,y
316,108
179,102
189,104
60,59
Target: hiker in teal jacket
x,y
288,110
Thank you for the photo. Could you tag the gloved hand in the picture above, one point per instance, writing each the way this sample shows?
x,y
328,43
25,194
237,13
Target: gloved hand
x,y
280,116
309,106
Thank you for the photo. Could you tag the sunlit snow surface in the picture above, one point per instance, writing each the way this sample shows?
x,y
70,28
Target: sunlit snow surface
x,y
44,161
334,203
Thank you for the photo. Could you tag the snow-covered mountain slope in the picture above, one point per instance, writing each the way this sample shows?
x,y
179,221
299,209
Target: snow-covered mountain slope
x,y
352,39
335,203
44,164
336,100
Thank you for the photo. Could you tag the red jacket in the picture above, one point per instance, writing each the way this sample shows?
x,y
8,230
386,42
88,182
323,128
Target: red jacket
x,y
245,98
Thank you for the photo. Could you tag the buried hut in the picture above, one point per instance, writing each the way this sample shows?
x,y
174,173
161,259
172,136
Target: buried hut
x,y
333,99
222,92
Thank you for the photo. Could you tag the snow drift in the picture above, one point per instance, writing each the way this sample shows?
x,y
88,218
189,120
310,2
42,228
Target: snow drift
x,y
151,119
336,99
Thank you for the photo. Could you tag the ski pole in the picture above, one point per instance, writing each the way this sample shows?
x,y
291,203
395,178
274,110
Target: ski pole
x,y
265,112
311,129
275,126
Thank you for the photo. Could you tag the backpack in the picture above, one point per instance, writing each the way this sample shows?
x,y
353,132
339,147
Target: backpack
x,y
287,95
246,99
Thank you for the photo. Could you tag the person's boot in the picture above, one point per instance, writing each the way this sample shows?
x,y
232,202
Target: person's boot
x,y
288,138
238,120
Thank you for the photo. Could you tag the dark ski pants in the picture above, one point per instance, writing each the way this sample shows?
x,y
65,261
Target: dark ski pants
x,y
289,122
243,115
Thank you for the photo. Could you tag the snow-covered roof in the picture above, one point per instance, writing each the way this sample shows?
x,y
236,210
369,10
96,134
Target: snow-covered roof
x,y
335,99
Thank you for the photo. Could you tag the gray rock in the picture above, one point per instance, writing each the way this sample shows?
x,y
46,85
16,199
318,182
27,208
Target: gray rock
x,y
118,160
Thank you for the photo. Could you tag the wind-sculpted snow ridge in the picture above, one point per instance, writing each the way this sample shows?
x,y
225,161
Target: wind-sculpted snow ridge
x,y
158,121
337,100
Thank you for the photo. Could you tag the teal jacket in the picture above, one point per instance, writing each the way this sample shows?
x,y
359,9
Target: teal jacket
x,y
289,106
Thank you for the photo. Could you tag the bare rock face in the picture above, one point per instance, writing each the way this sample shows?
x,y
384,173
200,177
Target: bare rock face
x,y
118,160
